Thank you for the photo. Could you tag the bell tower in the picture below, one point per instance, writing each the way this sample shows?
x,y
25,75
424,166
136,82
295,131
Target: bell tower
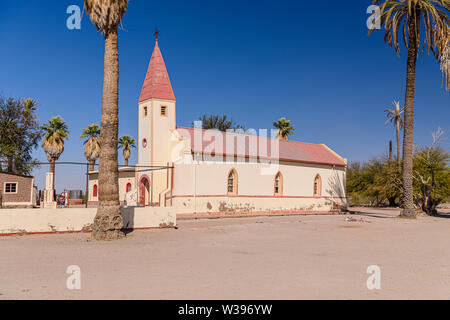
x,y
157,119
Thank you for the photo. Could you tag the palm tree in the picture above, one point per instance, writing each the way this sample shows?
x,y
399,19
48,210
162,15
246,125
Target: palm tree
x,y
55,132
106,15
126,143
220,123
406,15
92,144
445,63
395,115
284,128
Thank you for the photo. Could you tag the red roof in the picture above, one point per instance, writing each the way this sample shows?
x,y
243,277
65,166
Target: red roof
x,y
157,82
214,142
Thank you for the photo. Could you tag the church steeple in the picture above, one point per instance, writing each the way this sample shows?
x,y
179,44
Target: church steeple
x,y
157,82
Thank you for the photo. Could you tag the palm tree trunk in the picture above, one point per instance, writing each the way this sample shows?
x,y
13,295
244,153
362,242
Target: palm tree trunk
x,y
399,160
407,173
126,162
91,165
108,221
52,170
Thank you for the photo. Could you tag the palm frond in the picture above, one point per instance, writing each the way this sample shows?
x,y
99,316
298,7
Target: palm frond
x,y
106,15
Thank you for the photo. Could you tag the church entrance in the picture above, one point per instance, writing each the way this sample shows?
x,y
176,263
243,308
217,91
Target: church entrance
x,y
144,192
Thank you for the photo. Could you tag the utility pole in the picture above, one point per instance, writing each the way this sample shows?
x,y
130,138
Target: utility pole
x,y
87,184
390,150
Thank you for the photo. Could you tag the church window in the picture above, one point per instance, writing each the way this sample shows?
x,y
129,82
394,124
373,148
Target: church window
x,y
95,191
144,143
232,183
278,184
128,187
164,111
317,186
145,113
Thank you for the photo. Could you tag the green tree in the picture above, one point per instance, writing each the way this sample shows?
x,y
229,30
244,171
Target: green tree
x,y
388,183
19,134
285,129
395,116
432,175
55,132
406,15
375,182
106,15
126,143
91,144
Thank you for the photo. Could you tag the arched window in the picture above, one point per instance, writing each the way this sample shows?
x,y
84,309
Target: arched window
x,y
128,187
317,186
278,186
94,191
232,183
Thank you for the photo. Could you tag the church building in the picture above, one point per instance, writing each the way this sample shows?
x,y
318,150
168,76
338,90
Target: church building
x,y
210,171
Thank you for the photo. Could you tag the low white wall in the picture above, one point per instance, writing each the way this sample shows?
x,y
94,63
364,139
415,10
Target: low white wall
x,y
188,205
80,219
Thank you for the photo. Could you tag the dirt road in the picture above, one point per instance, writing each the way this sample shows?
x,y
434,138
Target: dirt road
x,y
295,257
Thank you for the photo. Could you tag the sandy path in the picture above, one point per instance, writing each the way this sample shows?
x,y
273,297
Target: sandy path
x,y
296,257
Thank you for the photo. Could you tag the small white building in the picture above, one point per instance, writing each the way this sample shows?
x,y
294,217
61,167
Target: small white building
x,y
209,171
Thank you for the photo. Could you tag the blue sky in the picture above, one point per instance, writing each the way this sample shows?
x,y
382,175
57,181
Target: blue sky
x,y
255,61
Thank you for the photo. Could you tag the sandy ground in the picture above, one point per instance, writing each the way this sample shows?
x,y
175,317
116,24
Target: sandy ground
x,y
295,257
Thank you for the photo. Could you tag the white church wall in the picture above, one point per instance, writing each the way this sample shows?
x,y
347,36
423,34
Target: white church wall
x,y
203,187
156,129
144,132
124,179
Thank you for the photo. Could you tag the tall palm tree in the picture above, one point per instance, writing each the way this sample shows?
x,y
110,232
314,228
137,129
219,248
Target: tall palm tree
x,y
284,128
92,144
126,143
55,132
406,15
106,15
395,115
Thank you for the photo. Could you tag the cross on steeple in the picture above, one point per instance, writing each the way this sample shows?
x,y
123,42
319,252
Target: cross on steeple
x,y
156,33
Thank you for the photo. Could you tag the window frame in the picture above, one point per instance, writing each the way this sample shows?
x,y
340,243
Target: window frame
x,y
280,185
166,111
317,178
11,183
145,112
233,193
95,191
